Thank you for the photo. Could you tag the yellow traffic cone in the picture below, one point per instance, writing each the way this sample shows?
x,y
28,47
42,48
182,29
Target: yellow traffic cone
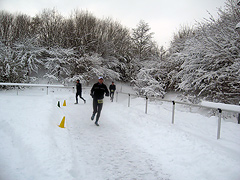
x,y
64,103
62,123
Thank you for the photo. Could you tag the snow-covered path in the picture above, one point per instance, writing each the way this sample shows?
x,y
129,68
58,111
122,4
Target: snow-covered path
x,y
109,151
128,144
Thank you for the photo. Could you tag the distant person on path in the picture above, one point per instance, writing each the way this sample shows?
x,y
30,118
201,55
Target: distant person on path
x,y
97,93
79,92
112,89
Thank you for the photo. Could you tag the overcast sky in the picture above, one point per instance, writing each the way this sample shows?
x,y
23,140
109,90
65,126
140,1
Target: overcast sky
x,y
163,16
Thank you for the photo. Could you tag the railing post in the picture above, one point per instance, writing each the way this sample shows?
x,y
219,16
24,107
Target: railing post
x,y
128,100
146,105
17,89
116,96
173,112
238,118
47,90
219,123
239,115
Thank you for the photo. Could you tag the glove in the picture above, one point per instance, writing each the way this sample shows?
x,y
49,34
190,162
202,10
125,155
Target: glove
x,y
91,95
107,94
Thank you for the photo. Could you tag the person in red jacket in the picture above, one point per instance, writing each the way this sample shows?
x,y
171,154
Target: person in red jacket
x,y
97,92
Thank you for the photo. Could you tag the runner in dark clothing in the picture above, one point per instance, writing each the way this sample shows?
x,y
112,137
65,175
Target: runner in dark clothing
x,y
79,92
112,89
97,93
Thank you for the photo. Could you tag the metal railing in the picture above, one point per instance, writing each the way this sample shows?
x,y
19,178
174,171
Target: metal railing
x,y
220,110
18,85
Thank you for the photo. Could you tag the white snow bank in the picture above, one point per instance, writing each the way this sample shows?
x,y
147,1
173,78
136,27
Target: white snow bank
x,y
128,144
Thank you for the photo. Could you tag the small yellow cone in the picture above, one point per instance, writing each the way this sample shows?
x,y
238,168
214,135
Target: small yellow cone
x,y
62,123
64,103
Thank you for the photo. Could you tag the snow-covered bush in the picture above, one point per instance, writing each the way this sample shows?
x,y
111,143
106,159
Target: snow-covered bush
x,y
11,69
148,83
58,64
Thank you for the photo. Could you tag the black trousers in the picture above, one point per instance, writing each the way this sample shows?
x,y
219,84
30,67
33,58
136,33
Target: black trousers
x,y
80,95
111,95
97,107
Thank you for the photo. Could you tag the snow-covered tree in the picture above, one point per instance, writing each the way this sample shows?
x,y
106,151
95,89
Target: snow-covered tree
x,y
208,61
28,54
10,67
50,24
142,41
58,63
6,26
21,27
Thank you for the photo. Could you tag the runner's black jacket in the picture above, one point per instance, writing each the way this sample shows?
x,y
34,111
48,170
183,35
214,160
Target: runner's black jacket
x,y
79,88
112,87
98,90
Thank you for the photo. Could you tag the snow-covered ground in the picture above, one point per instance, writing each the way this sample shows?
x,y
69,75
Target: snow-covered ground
x,y
128,144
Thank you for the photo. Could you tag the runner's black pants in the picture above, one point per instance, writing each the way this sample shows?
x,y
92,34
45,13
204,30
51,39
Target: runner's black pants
x,y
97,107
80,95
111,95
